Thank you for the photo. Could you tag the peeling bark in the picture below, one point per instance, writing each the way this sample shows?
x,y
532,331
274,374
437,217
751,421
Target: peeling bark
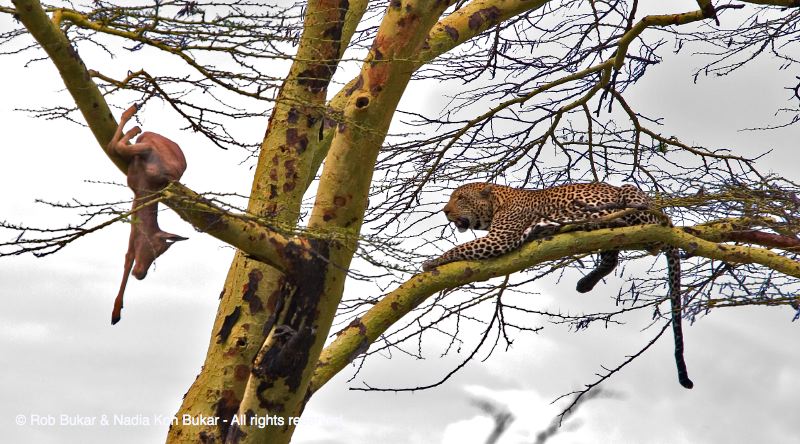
x,y
339,207
281,173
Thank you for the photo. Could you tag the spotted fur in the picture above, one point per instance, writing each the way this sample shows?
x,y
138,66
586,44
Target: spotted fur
x,y
514,216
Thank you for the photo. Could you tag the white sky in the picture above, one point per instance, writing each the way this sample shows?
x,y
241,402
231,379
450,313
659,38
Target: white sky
x,y
61,356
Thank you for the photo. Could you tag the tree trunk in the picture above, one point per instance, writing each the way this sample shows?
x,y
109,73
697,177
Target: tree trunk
x,y
253,290
283,367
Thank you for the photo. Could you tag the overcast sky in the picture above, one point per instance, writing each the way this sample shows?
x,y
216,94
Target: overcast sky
x,y
61,356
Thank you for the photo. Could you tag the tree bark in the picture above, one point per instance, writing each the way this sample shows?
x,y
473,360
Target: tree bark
x,y
253,290
284,365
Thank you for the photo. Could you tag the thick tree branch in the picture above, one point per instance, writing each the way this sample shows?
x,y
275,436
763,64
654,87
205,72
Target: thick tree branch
x,y
245,235
741,230
459,27
357,337
253,237
469,21
84,91
82,21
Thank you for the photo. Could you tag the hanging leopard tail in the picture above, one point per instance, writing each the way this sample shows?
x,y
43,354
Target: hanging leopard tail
x,y
674,274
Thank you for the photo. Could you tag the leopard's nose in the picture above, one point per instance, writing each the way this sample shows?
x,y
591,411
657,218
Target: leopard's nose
x,y
446,211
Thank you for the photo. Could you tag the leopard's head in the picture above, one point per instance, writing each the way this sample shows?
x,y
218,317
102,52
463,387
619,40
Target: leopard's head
x,y
471,206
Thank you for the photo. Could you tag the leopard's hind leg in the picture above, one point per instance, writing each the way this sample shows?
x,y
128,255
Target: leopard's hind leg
x,y
608,261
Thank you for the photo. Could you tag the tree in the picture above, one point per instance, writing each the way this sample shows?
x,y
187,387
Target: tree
x,y
543,102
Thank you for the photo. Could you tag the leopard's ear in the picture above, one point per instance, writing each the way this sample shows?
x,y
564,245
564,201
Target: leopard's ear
x,y
486,191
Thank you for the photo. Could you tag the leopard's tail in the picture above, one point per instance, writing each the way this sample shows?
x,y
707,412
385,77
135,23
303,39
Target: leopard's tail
x,y
674,273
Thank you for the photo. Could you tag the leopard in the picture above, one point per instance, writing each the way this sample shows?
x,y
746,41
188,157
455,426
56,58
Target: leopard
x,y
514,216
